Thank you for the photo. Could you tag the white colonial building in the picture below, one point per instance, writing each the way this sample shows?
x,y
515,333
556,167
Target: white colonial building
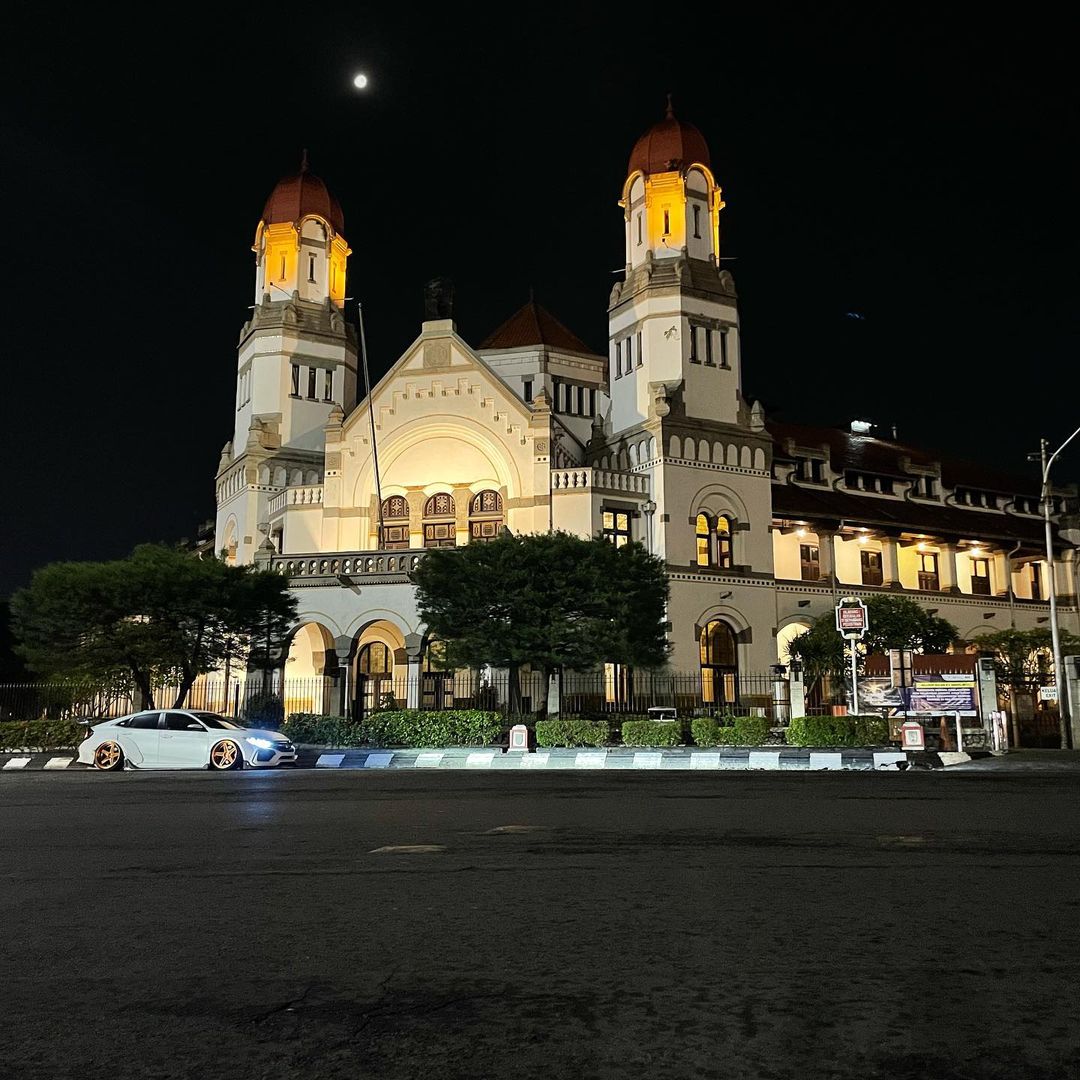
x,y
761,525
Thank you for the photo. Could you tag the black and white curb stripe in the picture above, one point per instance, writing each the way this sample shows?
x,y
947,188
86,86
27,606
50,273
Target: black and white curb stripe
x,y
32,760
683,758
784,759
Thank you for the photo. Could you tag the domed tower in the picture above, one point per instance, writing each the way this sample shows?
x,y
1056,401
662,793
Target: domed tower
x,y
673,320
296,359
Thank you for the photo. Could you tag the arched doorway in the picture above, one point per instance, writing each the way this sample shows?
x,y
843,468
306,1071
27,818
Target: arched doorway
x,y
719,665
375,676
307,678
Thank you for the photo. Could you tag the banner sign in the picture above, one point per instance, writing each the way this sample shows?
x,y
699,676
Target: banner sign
x,y
879,693
944,693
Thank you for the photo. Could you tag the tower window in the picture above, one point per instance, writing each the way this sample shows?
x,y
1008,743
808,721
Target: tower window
x,y
694,358
703,541
723,543
667,222
697,222
639,227
723,349
526,390
616,527
639,348
618,359
579,400
295,380
708,347
629,354
311,376
328,384
311,268
281,273
592,402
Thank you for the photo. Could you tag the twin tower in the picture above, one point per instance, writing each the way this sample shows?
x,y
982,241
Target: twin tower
x,y
673,321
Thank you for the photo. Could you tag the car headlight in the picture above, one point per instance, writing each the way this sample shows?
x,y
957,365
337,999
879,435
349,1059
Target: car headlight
x,y
262,744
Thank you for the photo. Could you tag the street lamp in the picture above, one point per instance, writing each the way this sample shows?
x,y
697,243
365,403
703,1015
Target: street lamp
x,y
1059,668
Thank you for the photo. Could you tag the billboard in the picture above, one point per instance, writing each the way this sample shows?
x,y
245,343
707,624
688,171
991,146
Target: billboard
x,y
942,693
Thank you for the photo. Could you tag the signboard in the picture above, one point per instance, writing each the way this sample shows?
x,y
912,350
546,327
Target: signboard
x,y
851,618
1048,693
943,693
878,692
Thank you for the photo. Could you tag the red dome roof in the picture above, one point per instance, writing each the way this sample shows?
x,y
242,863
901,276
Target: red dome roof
x,y
669,146
302,194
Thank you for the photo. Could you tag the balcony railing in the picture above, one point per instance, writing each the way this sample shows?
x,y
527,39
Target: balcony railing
x,y
382,564
584,479
301,495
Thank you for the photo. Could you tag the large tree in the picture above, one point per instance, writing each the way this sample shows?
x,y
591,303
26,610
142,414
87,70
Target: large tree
x,y
550,600
158,616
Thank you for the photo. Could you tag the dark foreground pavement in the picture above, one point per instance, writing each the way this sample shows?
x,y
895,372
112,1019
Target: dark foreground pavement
x,y
293,924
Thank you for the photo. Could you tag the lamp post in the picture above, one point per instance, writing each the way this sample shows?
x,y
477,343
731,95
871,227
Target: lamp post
x,y
1059,669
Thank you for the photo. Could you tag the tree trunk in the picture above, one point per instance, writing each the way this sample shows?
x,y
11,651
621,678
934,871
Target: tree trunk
x,y
184,689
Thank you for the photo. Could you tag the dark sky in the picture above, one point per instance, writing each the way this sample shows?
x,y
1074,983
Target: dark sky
x,y
915,169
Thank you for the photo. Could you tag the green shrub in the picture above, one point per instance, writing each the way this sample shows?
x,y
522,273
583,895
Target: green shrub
x,y
322,730
837,731
571,732
401,727
41,735
263,710
730,730
652,733
417,727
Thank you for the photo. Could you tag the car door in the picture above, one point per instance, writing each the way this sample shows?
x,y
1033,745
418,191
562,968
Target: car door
x,y
140,739
185,742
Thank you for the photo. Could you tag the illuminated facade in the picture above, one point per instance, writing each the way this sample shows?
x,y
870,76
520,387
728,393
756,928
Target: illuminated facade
x,y
762,525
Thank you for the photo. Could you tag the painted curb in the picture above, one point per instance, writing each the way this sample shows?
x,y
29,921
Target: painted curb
x,y
746,759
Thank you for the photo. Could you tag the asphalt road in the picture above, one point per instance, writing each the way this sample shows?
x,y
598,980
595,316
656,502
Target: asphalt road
x,y
428,925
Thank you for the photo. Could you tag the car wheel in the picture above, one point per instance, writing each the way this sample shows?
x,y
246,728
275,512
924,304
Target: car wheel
x,y
108,757
226,755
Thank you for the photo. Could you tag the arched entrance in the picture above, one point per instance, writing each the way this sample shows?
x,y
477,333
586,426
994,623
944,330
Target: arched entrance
x,y
379,669
310,667
719,665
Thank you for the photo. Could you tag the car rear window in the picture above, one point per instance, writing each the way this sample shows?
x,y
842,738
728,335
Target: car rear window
x,y
144,720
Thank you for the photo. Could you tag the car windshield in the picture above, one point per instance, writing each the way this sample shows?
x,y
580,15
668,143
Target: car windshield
x,y
214,721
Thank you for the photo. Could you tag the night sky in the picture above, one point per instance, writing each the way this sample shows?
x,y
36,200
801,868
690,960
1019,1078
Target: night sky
x,y
915,172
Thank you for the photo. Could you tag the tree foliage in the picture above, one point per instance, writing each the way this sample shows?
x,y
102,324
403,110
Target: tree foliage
x,y
1023,658
551,600
158,616
895,622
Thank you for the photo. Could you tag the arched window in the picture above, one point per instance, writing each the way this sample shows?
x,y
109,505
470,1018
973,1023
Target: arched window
x,y
439,529
376,659
703,541
395,528
719,665
485,515
723,543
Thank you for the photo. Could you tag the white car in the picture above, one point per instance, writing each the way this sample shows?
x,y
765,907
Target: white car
x,y
182,739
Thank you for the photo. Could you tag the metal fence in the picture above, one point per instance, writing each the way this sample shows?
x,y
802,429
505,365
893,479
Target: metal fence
x,y
610,691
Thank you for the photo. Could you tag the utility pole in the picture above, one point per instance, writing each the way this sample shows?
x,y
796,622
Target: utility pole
x,y
1055,635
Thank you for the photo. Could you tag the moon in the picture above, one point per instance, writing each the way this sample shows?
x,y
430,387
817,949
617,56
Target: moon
x,y
360,82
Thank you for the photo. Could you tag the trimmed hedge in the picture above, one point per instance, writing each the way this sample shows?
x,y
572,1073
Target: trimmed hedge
x,y
573,733
398,727
730,730
838,731
321,730
263,710
41,735
416,727
652,732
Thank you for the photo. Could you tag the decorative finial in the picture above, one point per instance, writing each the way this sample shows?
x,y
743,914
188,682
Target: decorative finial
x,y
303,153
670,114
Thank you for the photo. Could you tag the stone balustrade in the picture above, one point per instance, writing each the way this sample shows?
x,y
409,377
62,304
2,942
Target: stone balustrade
x,y
351,564
300,495
584,478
